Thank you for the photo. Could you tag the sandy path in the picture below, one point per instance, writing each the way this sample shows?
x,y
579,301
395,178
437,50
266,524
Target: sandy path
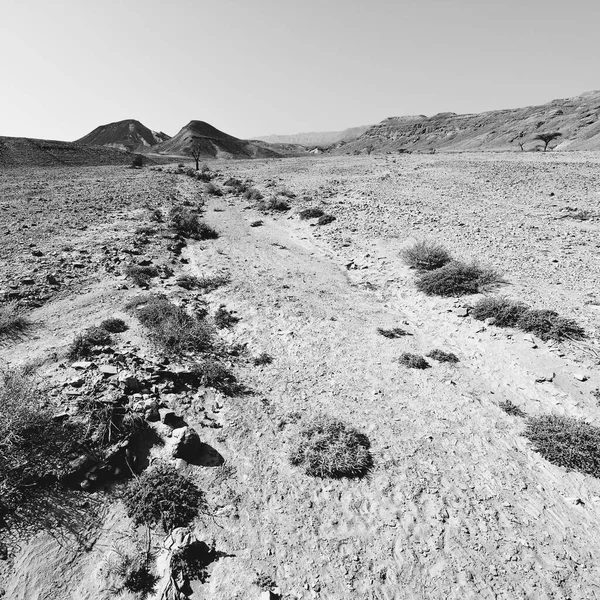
x,y
457,505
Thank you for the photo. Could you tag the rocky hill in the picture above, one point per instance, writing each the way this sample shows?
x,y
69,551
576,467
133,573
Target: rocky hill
x,y
213,143
28,152
317,138
577,119
130,135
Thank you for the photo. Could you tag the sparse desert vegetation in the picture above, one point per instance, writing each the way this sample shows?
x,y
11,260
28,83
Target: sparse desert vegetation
x,y
458,279
425,256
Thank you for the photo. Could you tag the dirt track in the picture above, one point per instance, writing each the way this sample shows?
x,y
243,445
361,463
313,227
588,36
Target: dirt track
x,y
457,505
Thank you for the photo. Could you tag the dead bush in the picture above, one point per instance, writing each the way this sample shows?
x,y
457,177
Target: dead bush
x,y
566,442
236,185
326,447
425,256
273,204
442,356
394,333
212,190
262,359
224,319
253,195
211,373
413,361
457,279
511,409
114,325
187,223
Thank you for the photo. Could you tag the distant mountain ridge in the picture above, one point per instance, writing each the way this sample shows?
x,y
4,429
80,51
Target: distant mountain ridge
x,y
576,118
316,138
130,135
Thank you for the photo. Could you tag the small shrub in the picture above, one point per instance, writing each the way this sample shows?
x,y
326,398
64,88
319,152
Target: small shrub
x,y
224,319
84,343
253,195
425,256
326,447
190,562
212,190
262,359
310,213
413,361
12,320
212,282
236,185
566,442
394,333
273,204
211,373
457,279
156,215
511,409
503,311
325,220
170,327
188,224
162,496
137,161
114,325
141,276
188,282
442,356
548,325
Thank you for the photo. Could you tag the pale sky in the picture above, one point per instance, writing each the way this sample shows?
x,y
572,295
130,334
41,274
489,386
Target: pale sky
x,y
256,67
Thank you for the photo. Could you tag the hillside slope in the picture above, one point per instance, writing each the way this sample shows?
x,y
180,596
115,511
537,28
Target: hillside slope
x,y
28,152
317,138
577,118
128,135
213,143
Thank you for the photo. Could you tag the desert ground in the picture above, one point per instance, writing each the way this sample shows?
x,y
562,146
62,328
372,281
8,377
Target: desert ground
x,y
457,503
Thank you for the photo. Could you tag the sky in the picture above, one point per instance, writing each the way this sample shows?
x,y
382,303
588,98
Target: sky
x,y
259,67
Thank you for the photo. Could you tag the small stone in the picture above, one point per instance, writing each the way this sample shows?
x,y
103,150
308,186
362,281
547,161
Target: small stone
x,y
82,365
580,376
462,312
544,377
188,445
168,416
27,281
108,370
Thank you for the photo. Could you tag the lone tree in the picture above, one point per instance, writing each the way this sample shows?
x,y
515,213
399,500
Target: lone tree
x,y
195,152
547,138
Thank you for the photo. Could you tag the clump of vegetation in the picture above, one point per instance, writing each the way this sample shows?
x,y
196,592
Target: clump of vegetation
x,y
212,282
326,447
85,342
325,219
511,409
442,356
162,496
13,321
156,215
394,333
262,359
236,185
212,190
129,570
310,213
253,195
188,224
171,327
211,373
413,361
273,204
503,311
566,442
425,256
548,325
35,448
114,325
457,279
188,282
137,161
141,276
224,318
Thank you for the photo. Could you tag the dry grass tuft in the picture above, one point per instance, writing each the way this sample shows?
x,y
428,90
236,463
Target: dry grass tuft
x,y
12,320
413,361
394,333
511,409
503,311
425,256
326,447
441,356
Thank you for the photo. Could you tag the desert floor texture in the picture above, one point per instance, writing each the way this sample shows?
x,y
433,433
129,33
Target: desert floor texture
x,y
457,505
